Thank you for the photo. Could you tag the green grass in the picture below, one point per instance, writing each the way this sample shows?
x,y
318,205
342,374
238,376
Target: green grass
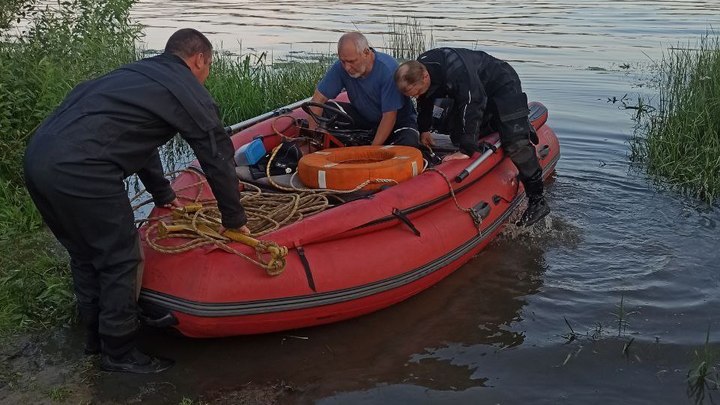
x,y
249,85
703,374
11,10
59,46
34,275
35,287
62,46
679,139
622,316
59,394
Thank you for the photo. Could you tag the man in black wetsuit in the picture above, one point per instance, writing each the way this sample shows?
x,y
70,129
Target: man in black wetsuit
x,y
104,131
486,95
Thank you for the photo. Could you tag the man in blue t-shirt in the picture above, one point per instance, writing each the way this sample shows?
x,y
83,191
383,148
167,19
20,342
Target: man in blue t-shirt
x,y
376,104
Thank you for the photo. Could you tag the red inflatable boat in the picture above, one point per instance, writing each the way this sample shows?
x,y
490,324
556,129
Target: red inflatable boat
x,y
349,260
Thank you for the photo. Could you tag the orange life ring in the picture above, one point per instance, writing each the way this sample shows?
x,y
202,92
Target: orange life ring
x,y
349,167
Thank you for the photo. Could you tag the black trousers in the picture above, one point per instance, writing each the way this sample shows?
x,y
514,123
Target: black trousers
x,y
404,133
507,112
510,117
103,243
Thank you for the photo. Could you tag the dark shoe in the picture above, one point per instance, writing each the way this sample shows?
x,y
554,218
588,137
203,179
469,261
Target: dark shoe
x,y
92,342
537,209
135,362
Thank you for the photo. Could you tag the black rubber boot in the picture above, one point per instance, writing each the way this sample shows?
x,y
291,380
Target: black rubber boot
x,y
537,206
537,209
136,362
121,355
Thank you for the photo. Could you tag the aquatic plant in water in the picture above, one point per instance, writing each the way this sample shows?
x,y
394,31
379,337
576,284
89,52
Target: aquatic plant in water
x,y
679,140
406,40
704,373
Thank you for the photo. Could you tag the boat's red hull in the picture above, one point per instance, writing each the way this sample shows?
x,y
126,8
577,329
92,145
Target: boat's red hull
x,y
345,262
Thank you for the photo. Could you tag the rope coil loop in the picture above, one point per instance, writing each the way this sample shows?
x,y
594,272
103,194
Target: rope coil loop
x,y
193,222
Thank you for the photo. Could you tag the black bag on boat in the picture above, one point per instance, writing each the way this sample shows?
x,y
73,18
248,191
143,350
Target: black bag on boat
x,y
285,162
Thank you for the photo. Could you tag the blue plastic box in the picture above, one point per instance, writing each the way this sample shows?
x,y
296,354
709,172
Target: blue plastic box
x,y
250,153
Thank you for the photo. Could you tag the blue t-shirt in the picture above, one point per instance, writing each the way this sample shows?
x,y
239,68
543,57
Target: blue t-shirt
x,y
373,95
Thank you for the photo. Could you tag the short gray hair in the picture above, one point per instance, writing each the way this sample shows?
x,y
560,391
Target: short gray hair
x,y
356,38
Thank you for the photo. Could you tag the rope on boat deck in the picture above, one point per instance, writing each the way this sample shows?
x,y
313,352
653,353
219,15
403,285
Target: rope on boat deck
x,y
201,226
199,221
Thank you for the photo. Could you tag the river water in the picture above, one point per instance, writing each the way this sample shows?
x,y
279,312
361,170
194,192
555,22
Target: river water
x,y
605,304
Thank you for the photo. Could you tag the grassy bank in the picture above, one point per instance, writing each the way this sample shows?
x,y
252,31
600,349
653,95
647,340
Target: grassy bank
x,y
679,140
59,48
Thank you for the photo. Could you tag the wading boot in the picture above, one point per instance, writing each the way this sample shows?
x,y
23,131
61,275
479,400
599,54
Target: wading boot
x,y
136,362
537,209
121,355
537,206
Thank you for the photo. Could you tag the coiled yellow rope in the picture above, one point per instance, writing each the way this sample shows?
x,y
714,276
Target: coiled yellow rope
x,y
199,222
200,225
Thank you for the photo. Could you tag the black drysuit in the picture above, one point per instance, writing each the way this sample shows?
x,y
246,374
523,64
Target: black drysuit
x,y
104,131
487,95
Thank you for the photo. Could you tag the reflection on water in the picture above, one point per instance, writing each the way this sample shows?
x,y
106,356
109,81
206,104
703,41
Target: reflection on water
x,y
437,340
496,331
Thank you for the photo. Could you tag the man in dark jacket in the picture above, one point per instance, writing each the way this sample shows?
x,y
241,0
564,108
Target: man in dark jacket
x,y
104,131
486,95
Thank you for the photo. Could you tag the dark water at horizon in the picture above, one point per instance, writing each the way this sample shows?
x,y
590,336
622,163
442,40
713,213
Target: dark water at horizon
x,y
496,331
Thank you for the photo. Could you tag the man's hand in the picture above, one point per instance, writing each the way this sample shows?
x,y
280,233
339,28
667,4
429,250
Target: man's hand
x,y
243,230
456,156
427,139
385,128
173,204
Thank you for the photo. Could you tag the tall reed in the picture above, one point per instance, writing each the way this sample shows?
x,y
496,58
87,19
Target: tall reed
x,y
61,46
12,10
408,39
679,140
248,85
